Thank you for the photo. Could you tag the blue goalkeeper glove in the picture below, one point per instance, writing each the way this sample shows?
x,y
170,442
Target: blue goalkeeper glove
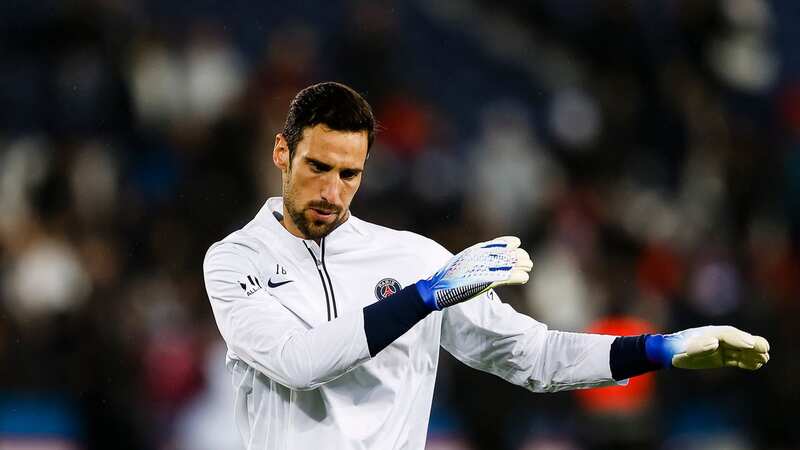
x,y
708,347
476,270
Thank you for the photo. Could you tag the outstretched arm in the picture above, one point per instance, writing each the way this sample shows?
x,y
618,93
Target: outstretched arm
x,y
491,336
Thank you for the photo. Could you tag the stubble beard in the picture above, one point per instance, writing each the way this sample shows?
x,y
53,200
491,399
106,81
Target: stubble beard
x,y
308,228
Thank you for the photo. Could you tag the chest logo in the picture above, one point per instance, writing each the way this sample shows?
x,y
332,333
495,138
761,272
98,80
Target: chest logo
x,y
386,288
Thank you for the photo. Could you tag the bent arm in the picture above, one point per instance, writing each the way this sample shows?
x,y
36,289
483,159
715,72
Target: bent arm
x,y
270,338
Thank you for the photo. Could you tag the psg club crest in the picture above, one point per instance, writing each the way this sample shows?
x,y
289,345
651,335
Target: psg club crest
x,y
386,288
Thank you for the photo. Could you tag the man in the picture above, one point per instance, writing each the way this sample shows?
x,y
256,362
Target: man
x,y
333,325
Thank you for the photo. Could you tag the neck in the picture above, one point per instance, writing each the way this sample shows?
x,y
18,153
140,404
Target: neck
x,y
288,223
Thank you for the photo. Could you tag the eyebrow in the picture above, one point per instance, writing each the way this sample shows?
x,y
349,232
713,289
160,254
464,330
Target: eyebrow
x,y
326,166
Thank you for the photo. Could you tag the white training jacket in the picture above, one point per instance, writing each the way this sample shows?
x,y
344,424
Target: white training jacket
x,y
290,312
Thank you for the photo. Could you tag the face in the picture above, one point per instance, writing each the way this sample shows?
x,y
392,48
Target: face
x,y
321,180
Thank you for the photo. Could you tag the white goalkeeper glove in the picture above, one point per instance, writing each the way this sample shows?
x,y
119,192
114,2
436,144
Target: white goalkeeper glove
x,y
708,348
476,270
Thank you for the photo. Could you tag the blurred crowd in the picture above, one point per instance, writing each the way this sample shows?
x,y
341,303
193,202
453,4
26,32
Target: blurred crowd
x,y
647,152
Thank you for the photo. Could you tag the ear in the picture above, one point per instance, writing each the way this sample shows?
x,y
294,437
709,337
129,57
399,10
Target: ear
x,y
280,154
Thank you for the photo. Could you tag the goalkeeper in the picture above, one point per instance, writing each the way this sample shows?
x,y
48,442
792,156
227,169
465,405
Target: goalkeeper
x,y
334,325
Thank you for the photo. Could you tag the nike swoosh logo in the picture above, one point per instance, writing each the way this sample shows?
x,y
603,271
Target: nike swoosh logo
x,y
274,285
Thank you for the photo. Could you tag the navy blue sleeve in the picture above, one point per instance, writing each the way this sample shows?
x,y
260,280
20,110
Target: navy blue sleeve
x,y
387,320
628,357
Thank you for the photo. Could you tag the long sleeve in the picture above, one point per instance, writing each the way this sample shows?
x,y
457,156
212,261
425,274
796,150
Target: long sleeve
x,y
489,335
269,337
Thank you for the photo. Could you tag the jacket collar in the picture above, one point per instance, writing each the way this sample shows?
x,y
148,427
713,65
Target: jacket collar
x,y
339,240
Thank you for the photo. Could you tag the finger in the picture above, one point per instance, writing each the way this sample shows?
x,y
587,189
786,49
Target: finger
x,y
754,357
699,345
509,241
761,344
734,337
745,359
748,365
707,361
517,276
523,259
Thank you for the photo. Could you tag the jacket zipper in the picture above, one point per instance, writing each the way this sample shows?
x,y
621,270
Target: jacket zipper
x,y
321,279
330,283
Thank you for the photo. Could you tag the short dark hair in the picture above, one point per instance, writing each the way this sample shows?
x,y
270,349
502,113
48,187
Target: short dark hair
x,y
335,105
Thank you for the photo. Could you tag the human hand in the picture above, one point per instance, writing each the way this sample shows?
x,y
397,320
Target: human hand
x,y
475,270
708,347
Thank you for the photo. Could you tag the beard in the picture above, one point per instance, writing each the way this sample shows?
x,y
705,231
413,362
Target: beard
x,y
312,229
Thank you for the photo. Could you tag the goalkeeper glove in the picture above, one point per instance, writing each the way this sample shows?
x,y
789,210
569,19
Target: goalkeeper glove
x,y
708,347
476,270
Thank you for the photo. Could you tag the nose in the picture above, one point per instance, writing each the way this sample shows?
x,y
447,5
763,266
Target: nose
x,y
331,189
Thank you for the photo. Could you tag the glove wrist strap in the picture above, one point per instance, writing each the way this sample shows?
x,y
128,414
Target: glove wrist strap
x,y
629,357
426,294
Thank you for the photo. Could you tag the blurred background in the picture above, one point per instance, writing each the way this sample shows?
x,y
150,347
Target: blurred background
x,y
647,152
